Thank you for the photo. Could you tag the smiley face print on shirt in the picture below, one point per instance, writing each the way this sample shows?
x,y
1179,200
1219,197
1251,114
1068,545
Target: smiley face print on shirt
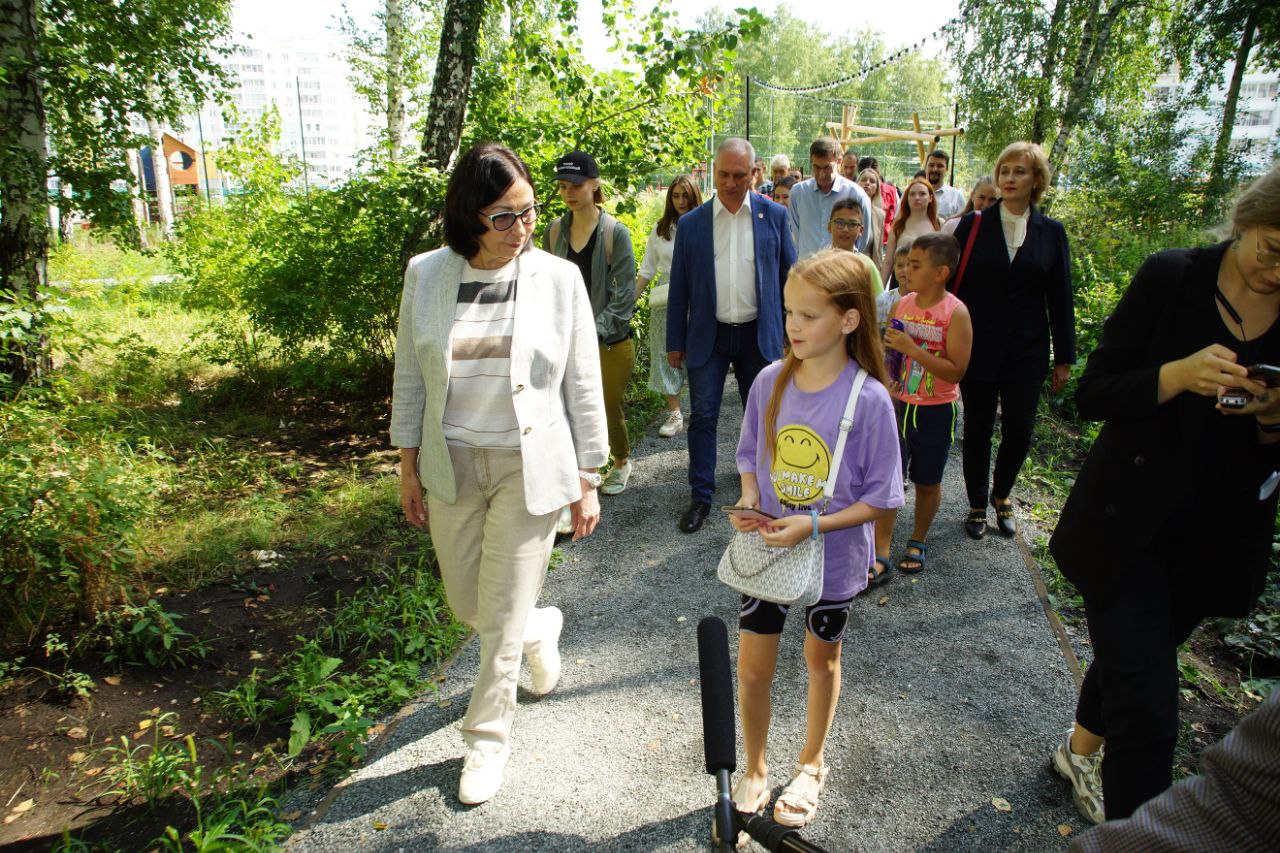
x,y
801,464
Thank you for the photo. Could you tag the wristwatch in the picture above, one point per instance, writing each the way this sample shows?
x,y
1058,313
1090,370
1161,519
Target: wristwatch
x,y
593,478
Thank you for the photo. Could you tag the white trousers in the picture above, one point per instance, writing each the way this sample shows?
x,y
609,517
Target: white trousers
x,y
493,559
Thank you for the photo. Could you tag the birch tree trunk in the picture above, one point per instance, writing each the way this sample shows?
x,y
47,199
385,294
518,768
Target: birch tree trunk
x,y
395,78
1218,177
459,42
1049,67
160,174
1093,46
24,200
450,89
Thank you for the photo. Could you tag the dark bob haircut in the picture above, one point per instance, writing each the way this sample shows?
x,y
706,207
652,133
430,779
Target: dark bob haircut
x,y
481,177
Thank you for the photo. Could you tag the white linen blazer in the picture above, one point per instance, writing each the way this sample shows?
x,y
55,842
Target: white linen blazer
x,y
555,375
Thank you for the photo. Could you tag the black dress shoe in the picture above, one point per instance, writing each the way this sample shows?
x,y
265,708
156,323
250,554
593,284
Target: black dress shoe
x,y
1005,522
976,524
693,517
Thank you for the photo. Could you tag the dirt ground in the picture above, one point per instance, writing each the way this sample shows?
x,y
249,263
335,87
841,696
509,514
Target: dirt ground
x,y
50,744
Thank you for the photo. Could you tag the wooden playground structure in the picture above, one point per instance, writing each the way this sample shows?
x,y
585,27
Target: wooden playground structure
x,y
845,130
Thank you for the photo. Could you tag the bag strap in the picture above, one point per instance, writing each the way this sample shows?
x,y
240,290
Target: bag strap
x,y
553,234
846,426
610,225
968,250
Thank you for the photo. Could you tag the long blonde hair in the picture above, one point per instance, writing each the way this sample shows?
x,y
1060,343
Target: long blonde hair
x,y
844,279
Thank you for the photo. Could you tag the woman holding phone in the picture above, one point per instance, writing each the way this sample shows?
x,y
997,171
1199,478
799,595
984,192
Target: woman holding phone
x,y
1172,516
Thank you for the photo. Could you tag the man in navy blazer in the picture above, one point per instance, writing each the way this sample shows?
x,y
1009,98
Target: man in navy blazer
x,y
724,306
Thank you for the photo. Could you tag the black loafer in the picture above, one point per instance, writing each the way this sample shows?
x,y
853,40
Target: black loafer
x,y
975,526
693,517
1005,521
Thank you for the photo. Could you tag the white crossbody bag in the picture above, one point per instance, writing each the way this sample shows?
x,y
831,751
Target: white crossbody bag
x,y
788,575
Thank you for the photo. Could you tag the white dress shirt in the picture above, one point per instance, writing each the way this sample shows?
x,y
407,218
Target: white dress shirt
x,y
1015,229
950,201
735,246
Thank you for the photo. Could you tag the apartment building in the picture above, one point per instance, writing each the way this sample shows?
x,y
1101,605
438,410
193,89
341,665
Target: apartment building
x,y
1256,132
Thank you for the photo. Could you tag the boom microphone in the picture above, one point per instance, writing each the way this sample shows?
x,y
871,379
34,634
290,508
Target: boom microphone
x,y
718,739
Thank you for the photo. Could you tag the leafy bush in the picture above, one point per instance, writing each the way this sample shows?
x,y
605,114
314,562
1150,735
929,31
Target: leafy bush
x,y
147,634
70,502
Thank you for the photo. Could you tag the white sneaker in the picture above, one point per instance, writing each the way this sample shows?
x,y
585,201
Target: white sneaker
x,y
543,654
482,774
1082,771
672,425
616,480
564,525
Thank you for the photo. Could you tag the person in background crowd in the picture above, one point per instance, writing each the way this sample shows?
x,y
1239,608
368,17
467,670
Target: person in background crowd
x,y
725,305
983,196
811,199
1018,288
869,180
846,226
801,401
898,286
919,216
920,173
682,196
779,166
782,190
934,343
888,193
950,199
796,172
1177,482
497,410
849,165
759,183
600,246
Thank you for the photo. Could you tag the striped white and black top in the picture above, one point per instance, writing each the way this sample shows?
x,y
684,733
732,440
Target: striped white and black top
x,y
478,411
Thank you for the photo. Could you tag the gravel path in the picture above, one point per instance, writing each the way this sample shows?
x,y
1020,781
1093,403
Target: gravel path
x,y
955,692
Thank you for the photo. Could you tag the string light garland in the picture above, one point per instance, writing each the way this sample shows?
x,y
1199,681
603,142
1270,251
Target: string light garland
x,y
867,70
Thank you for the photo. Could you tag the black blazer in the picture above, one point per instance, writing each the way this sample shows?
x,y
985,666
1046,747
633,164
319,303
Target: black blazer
x,y
1141,484
1016,306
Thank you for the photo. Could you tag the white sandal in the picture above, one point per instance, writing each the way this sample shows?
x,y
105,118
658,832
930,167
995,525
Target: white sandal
x,y
739,793
798,802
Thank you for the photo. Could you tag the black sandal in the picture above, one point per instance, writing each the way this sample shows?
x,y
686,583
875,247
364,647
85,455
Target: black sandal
x,y
917,558
1005,521
875,578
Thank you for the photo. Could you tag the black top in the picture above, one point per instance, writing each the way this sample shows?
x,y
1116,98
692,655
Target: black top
x,y
1180,476
1018,305
583,258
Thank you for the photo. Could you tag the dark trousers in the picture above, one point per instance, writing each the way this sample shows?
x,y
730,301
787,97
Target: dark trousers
x,y
1130,692
735,345
1018,400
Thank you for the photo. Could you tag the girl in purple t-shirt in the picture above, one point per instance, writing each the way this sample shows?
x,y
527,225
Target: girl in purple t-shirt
x,y
784,455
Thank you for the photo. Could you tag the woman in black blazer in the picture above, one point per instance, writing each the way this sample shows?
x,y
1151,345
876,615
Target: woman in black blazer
x,y
1171,517
1017,286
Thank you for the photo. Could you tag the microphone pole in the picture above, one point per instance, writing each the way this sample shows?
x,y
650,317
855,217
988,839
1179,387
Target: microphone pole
x,y
720,749
718,737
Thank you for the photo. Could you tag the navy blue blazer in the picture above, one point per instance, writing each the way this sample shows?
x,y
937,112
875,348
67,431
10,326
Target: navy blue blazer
x,y
691,301
1017,306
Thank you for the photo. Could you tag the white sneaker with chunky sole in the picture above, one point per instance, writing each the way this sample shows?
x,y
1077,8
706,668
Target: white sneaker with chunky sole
x,y
482,774
1082,772
615,482
672,425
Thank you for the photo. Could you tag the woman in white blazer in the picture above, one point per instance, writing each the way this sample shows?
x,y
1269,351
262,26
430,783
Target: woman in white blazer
x,y
499,417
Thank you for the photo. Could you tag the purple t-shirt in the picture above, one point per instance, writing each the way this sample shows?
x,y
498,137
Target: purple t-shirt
x,y
791,480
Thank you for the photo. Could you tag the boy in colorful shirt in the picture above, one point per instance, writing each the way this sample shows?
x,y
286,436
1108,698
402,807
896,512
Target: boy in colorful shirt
x,y
935,343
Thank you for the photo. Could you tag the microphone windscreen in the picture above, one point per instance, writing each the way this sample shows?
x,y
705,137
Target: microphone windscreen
x,y
718,741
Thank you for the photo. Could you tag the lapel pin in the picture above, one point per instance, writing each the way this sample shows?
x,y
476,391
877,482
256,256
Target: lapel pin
x,y
760,215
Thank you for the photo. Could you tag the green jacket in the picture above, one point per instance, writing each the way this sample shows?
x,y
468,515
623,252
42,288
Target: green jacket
x,y
612,288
